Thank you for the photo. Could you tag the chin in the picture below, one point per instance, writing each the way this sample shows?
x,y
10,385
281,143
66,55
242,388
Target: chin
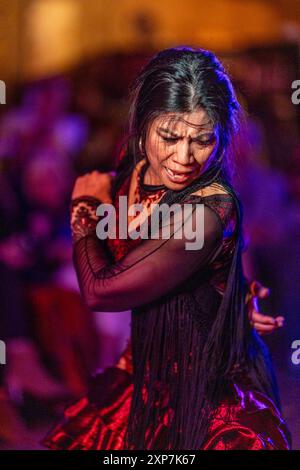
x,y
170,181
176,186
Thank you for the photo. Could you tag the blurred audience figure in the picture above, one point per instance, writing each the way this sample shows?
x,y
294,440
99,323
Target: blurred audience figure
x,y
50,336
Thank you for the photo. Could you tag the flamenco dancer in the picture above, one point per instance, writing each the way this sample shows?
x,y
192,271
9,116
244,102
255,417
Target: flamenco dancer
x,y
195,374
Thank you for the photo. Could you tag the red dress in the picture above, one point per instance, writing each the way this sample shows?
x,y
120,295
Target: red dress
x,y
245,420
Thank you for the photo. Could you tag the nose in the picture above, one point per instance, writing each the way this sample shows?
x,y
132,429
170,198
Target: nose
x,y
183,153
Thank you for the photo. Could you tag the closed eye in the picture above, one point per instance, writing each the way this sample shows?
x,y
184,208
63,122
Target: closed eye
x,y
206,139
200,141
170,139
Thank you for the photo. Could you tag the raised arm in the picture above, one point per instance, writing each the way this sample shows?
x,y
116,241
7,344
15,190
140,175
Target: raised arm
x,y
98,186
150,270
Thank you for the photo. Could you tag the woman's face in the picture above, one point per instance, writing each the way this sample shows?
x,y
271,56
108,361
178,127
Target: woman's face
x,y
179,147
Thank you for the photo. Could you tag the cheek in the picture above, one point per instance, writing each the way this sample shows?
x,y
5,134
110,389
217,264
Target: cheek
x,y
203,155
157,152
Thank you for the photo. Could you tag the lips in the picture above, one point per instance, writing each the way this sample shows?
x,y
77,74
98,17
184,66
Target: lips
x,y
177,176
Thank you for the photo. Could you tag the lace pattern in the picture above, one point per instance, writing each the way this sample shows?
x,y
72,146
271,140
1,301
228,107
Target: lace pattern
x,y
83,217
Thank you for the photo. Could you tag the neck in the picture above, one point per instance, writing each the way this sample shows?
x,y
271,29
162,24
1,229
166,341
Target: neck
x,y
150,177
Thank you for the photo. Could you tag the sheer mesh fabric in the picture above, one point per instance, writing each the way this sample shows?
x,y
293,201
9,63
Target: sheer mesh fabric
x,y
152,269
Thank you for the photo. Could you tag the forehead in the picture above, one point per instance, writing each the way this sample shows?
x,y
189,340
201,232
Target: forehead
x,y
182,123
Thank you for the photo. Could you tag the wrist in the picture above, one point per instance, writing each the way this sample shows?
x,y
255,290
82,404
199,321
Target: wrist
x,y
83,216
86,198
249,292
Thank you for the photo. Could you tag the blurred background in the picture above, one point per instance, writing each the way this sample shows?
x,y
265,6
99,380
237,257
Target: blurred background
x,y
67,66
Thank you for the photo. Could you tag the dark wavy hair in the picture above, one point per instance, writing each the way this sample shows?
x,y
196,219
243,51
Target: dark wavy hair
x,y
181,80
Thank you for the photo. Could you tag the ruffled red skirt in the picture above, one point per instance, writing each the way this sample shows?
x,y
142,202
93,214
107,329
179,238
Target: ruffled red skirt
x,y
98,421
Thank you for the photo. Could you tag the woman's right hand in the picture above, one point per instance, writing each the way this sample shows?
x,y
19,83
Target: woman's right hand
x,y
94,184
264,324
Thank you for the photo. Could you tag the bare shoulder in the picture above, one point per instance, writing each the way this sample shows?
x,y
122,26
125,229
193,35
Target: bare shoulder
x,y
210,190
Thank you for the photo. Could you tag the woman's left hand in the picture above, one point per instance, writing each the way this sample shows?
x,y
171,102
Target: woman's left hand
x,y
95,184
264,324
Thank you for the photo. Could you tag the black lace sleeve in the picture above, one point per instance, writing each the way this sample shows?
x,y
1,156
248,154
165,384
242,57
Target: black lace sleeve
x,y
154,267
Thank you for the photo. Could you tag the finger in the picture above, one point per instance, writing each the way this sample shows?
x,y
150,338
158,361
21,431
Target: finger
x,y
264,333
264,328
264,319
254,287
280,321
258,290
263,292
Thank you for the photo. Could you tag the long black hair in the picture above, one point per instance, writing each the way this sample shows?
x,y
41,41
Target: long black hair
x,y
181,80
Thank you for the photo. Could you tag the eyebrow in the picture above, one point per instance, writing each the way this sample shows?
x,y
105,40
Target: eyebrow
x,y
173,134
